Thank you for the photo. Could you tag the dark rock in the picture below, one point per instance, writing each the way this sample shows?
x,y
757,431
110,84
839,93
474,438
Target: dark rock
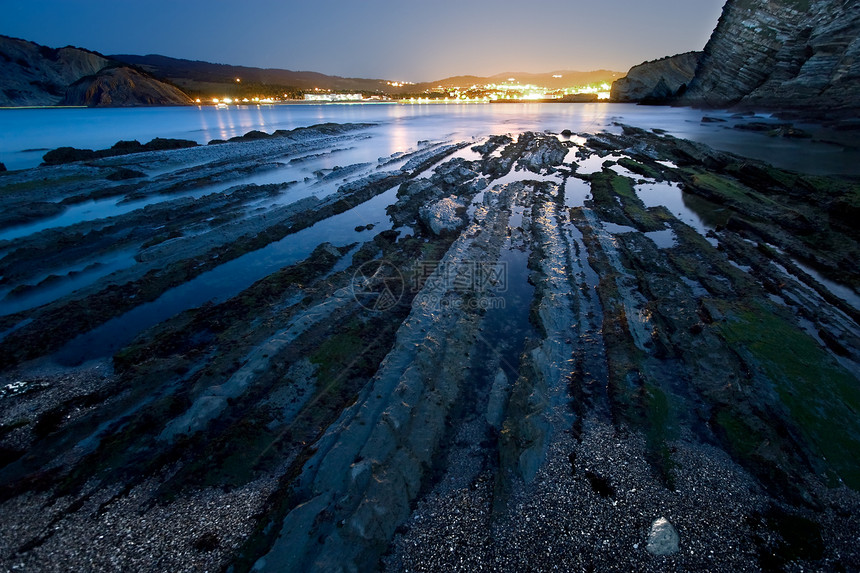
x,y
124,147
792,133
71,154
657,81
251,136
123,173
789,54
68,155
2,168
761,126
162,144
707,119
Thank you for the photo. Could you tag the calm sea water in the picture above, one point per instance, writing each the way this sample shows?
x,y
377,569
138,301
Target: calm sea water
x,y
28,133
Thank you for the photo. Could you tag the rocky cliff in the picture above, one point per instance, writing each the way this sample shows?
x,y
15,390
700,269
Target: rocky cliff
x,y
37,75
802,54
123,87
656,81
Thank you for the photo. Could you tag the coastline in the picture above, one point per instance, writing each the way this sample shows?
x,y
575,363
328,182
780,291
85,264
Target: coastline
x,y
654,271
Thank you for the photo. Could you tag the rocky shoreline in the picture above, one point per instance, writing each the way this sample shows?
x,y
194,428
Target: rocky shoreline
x,y
514,353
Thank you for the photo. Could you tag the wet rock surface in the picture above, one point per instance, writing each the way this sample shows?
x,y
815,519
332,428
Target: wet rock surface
x,y
619,351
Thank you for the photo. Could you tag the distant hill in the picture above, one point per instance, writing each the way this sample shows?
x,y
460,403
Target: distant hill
x,y
207,78
35,75
204,78
554,80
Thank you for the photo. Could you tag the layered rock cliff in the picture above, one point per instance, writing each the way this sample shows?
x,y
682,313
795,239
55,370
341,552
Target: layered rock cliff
x,y
34,75
802,54
658,80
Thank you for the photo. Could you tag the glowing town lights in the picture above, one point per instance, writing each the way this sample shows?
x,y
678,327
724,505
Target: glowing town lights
x,y
197,100
238,80
556,76
215,100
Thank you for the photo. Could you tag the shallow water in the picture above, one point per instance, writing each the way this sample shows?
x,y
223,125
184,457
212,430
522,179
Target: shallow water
x,y
229,279
400,130
68,281
696,212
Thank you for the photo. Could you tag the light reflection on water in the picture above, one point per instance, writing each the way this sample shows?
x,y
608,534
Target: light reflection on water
x,y
230,278
698,213
99,128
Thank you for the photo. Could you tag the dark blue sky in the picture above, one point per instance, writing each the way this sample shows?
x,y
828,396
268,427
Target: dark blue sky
x,y
399,40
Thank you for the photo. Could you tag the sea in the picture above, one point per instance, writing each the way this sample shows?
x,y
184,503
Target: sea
x,y
27,134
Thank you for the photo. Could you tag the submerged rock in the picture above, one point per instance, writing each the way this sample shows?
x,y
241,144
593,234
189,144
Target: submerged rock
x,y
663,538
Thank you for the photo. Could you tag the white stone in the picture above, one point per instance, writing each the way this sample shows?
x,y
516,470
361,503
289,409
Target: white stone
x,y
663,538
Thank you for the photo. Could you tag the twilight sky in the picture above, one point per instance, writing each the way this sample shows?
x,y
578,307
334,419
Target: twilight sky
x,y
390,39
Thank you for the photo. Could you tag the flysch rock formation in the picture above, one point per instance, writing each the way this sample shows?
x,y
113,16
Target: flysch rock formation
x,y
656,81
35,75
801,54
314,375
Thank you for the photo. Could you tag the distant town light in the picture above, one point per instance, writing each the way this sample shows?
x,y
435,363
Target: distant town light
x,y
238,79
557,75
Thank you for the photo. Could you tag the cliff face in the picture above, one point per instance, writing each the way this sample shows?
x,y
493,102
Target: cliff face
x,y
656,81
31,74
36,75
782,53
122,87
